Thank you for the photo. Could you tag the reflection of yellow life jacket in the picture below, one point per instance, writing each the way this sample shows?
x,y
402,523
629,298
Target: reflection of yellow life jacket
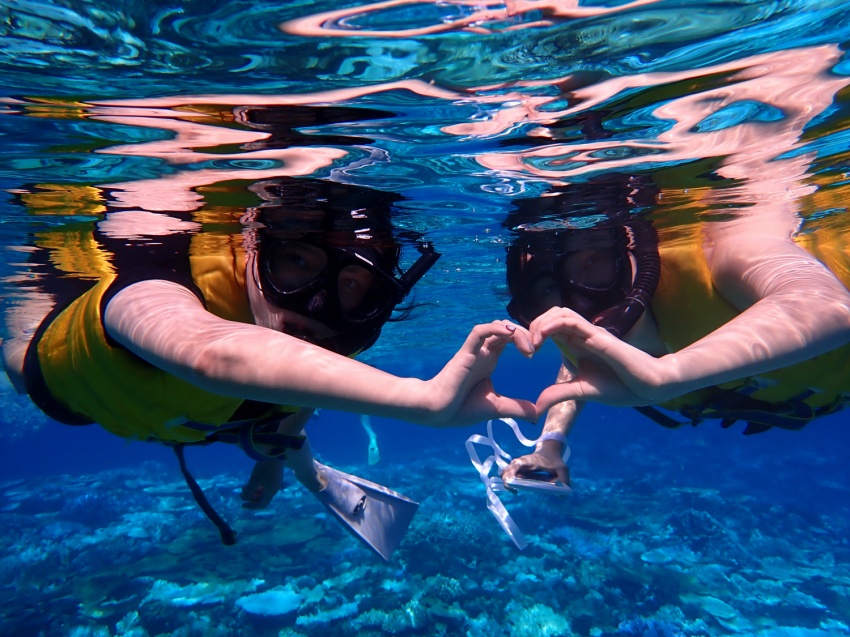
x,y
121,392
687,307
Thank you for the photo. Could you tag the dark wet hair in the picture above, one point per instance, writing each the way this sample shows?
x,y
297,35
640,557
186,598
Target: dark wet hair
x,y
330,213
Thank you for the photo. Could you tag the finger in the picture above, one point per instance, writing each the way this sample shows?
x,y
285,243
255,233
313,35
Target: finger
x,y
515,408
496,331
496,344
562,472
545,319
479,335
509,473
554,394
564,323
522,340
569,328
520,337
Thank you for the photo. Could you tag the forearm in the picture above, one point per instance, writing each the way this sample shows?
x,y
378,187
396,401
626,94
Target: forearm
x,y
304,375
746,346
166,325
785,320
559,421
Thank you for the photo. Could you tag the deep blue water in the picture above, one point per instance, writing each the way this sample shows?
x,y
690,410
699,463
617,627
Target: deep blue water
x,y
462,108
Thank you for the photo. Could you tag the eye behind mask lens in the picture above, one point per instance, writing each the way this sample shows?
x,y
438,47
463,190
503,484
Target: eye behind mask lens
x,y
335,286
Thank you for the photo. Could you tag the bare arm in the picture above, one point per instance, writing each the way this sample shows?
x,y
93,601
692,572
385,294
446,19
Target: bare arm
x,y
560,419
792,309
549,452
166,325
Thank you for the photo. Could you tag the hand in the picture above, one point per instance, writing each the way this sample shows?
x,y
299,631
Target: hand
x,y
608,370
265,481
545,460
462,392
305,468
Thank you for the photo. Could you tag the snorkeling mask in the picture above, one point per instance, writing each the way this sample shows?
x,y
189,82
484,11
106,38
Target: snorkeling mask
x,y
604,265
588,276
347,288
328,251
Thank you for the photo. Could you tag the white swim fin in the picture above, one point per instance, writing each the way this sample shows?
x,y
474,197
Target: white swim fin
x,y
373,513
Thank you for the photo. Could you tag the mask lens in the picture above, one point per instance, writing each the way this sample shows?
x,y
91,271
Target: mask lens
x,y
365,290
363,293
303,277
543,294
293,266
597,270
585,281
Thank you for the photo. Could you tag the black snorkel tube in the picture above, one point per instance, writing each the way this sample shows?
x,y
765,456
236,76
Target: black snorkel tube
x,y
620,319
427,258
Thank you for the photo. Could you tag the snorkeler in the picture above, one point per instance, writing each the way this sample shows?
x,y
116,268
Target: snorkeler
x,y
737,319
197,337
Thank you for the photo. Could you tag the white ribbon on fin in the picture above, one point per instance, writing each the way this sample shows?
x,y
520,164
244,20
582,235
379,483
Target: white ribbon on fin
x,y
493,484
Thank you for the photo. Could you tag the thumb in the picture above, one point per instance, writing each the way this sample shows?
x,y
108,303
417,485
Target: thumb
x,y
554,394
516,408
562,472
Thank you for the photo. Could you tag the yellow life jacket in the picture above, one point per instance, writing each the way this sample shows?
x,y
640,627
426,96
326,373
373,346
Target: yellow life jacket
x,y
687,307
124,394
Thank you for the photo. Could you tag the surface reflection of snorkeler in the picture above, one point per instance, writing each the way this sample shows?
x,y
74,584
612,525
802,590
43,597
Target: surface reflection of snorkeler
x,y
193,340
737,322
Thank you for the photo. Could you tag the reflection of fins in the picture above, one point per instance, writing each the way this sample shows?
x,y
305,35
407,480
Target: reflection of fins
x,y
375,514
374,452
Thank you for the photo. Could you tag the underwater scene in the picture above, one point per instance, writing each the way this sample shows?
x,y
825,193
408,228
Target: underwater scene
x,y
456,155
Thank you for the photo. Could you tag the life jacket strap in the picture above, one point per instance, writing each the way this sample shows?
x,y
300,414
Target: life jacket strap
x,y
246,436
732,405
228,535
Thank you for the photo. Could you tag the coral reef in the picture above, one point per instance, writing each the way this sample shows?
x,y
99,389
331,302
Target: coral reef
x,y
134,558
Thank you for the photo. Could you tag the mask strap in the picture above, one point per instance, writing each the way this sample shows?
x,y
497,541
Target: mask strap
x,y
263,311
494,484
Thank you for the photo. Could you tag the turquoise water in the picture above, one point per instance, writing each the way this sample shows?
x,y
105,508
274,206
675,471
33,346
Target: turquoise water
x,y
155,109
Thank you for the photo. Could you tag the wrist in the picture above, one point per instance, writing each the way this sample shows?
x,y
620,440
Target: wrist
x,y
553,435
410,399
551,446
669,379
431,400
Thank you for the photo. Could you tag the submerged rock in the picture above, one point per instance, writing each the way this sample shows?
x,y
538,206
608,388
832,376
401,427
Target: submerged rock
x,y
713,606
277,601
669,555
